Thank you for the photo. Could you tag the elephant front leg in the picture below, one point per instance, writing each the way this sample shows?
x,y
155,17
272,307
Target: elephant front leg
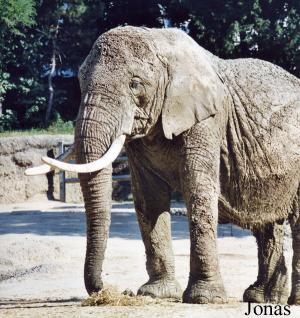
x,y
205,283
152,203
156,235
200,182
271,285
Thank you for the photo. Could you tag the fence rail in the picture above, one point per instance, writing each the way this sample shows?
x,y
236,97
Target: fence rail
x,y
63,180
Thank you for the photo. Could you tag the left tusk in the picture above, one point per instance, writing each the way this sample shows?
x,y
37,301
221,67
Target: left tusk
x,y
43,169
111,154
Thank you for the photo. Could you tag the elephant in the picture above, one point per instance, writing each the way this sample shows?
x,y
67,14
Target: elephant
x,y
225,133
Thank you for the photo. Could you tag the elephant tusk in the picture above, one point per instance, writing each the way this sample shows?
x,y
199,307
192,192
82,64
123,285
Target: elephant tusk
x,y
111,154
42,169
45,168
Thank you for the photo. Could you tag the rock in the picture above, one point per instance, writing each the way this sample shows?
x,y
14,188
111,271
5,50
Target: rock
x,y
27,159
7,167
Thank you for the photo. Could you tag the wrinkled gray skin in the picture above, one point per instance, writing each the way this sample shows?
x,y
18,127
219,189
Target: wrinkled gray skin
x,y
223,132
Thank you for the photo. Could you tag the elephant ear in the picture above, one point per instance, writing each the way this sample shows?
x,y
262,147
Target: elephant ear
x,y
195,91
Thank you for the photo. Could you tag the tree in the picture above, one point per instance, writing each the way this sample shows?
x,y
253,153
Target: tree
x,y
69,28
266,29
43,43
14,15
64,26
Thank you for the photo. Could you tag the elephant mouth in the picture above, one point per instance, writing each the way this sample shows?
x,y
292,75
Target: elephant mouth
x,y
142,125
111,154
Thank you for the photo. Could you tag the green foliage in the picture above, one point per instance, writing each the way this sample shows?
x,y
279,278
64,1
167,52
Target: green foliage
x,y
61,126
14,16
34,102
5,84
56,127
16,13
8,120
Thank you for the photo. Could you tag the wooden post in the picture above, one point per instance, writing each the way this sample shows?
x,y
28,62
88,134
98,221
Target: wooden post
x,y
62,177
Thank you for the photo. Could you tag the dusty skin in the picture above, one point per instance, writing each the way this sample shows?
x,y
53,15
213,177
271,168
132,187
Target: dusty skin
x,y
42,249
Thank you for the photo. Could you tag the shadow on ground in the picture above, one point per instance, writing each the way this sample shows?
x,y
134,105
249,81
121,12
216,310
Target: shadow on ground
x,y
72,223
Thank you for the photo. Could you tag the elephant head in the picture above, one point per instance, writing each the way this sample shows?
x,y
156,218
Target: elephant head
x,y
132,79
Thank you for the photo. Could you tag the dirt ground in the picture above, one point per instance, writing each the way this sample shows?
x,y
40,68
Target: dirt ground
x,y
42,248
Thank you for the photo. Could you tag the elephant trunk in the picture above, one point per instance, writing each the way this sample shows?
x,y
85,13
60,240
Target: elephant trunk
x,y
96,189
92,139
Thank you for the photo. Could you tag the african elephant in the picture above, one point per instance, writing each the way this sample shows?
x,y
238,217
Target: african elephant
x,y
226,133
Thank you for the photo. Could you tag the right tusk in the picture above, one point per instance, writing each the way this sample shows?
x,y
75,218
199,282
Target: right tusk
x,y
111,154
43,169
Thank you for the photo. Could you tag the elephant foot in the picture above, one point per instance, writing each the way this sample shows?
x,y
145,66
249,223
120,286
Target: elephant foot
x,y
275,291
294,299
254,294
161,288
205,292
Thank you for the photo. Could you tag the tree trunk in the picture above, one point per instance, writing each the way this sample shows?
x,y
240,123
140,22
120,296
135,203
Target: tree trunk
x,y
50,87
51,75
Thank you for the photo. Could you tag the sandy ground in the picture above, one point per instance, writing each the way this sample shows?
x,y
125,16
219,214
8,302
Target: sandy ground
x,y
42,248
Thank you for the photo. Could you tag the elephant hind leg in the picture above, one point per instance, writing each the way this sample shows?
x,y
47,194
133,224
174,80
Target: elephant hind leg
x,y
294,298
271,284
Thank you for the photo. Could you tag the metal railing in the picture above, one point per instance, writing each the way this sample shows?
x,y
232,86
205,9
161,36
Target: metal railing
x,y
63,180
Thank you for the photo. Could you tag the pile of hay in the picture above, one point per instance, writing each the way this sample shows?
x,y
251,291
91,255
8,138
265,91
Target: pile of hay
x,y
112,297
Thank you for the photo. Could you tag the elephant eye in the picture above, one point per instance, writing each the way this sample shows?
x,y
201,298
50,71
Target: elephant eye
x,y
136,86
